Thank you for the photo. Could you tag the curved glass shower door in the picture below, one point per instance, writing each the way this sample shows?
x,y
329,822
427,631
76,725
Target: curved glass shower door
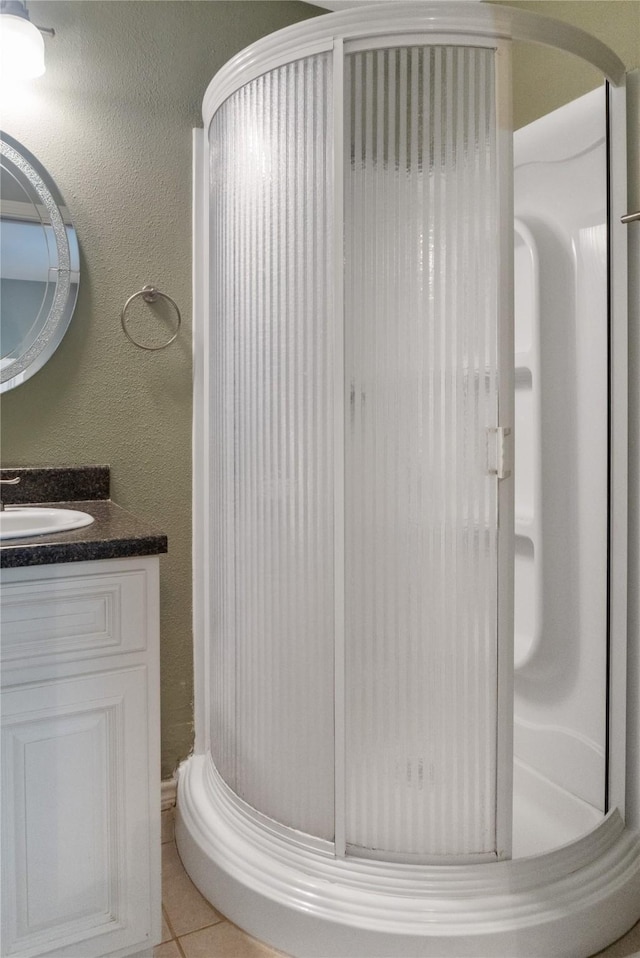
x,y
422,262
272,530
359,352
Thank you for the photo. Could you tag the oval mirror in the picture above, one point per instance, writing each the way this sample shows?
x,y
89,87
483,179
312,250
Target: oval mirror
x,y
39,261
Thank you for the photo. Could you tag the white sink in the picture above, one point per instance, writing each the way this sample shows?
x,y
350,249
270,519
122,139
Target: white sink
x,y
18,521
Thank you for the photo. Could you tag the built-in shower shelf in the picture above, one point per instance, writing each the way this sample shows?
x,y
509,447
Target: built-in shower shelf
x,y
528,453
523,376
525,525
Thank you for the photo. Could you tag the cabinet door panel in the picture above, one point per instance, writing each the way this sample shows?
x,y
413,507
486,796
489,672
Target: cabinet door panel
x,y
75,793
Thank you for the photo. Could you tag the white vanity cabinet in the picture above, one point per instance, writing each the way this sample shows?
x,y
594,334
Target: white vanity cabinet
x,y
80,759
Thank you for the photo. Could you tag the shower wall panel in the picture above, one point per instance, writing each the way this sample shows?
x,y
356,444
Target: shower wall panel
x,y
421,332
560,186
272,600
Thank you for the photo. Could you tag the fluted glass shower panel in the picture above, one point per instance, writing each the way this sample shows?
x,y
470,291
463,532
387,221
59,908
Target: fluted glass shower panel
x,y
421,328
355,316
272,663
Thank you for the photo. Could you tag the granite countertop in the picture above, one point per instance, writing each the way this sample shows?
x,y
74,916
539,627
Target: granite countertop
x,y
115,533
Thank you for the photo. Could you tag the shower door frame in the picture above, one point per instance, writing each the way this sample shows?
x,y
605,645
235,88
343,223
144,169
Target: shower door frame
x,y
247,68
618,438
502,820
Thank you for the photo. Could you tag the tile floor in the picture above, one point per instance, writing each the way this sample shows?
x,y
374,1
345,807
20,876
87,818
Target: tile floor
x,y
192,928
627,947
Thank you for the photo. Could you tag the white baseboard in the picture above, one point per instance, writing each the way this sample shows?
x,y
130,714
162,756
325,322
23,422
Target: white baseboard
x,y
168,790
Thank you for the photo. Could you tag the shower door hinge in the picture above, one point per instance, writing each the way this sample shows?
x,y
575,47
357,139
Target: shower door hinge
x,y
499,452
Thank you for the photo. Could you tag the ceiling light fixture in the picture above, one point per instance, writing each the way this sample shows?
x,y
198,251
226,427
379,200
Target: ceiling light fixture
x,y
21,43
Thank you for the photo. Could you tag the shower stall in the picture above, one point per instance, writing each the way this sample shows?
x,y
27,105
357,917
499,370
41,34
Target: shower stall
x,y
410,495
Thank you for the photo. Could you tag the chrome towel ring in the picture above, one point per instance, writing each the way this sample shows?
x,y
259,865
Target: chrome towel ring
x,y
150,295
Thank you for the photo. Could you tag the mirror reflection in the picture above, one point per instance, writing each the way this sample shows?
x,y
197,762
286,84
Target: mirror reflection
x,y
39,260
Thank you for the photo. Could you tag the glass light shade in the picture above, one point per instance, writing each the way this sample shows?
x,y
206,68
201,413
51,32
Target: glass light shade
x,y
21,48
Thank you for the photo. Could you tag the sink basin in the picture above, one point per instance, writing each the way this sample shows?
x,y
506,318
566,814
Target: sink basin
x,y
18,521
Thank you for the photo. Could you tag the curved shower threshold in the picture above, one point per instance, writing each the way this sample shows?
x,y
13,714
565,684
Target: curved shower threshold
x,y
288,889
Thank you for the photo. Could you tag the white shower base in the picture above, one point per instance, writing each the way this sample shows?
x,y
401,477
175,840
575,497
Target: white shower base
x,y
546,816
288,889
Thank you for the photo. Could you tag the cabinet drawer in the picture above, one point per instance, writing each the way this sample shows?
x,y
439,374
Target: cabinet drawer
x,y
73,617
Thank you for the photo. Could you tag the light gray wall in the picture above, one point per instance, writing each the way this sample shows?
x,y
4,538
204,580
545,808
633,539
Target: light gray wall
x,y
111,120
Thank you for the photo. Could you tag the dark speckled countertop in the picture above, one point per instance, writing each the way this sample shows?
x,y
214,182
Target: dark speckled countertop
x,y
114,533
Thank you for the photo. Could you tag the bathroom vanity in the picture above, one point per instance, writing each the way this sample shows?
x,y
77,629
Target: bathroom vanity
x,y
80,729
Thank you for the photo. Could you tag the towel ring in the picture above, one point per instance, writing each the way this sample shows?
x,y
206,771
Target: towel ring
x,y
150,295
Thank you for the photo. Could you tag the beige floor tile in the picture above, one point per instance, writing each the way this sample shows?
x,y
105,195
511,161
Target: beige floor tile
x,y
168,949
166,931
185,907
627,947
224,941
171,864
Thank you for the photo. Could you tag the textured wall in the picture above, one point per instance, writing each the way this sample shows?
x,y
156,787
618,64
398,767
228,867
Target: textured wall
x,y
111,120
544,79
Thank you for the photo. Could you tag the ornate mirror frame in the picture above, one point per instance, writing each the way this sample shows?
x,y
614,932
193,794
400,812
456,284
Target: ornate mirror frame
x,y
64,264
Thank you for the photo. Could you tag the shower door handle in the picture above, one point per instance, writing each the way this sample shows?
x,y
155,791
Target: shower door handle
x,y
499,457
